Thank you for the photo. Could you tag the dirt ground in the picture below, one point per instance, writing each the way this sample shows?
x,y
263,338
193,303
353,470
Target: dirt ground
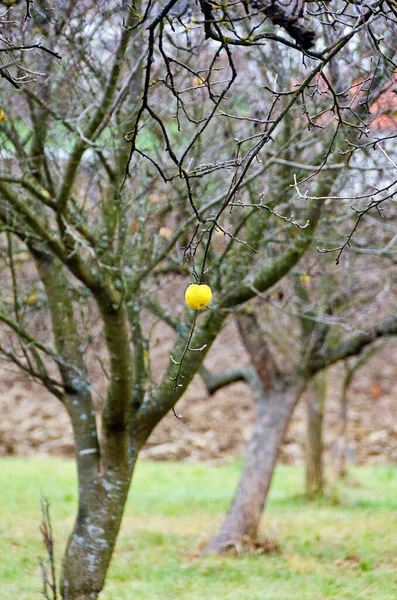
x,y
216,427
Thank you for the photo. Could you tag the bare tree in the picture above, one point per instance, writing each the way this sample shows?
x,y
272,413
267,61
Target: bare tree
x,y
163,125
15,42
336,322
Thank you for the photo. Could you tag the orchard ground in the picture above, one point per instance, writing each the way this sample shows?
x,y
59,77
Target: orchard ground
x,y
344,549
213,427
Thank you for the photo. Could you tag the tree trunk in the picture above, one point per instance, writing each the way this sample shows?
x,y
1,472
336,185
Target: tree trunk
x,y
314,440
341,444
273,416
90,547
341,440
104,470
102,499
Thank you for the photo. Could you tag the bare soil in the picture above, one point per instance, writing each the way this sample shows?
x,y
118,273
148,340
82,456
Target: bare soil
x,y
215,427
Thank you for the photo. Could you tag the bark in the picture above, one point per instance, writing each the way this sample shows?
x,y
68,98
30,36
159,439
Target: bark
x,y
270,273
288,15
258,349
102,499
314,432
341,440
273,416
77,394
78,402
104,473
354,344
90,547
275,400
158,402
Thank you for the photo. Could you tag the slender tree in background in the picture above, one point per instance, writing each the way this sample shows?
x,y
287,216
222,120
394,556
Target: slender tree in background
x,y
316,405
159,126
340,445
314,435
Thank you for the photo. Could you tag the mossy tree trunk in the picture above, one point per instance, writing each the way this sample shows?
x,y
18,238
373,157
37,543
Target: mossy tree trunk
x,y
341,440
314,435
104,469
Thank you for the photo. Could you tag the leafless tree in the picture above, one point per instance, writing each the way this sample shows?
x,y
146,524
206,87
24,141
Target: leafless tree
x,y
16,41
162,127
341,313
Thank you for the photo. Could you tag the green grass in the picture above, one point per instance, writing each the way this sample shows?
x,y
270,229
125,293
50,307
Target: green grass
x,y
345,551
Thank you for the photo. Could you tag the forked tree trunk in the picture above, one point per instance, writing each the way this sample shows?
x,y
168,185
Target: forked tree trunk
x,y
104,472
102,498
314,432
273,416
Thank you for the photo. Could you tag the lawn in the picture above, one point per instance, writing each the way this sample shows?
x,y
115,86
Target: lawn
x,y
345,551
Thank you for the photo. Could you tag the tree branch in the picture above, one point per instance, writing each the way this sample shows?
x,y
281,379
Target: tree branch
x,y
354,345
